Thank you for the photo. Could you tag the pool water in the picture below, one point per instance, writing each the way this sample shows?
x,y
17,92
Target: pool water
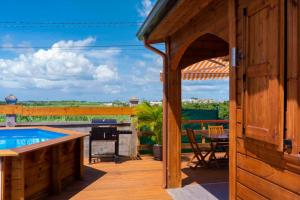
x,y
14,138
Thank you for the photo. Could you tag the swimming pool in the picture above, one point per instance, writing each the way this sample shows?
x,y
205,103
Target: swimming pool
x,y
38,161
14,138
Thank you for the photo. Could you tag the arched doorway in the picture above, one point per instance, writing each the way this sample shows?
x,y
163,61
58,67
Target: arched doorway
x,y
205,48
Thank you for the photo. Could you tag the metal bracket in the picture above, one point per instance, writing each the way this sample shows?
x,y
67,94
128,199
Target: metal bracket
x,y
287,146
233,57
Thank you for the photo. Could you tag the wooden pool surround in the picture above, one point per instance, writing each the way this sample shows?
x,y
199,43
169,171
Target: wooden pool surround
x,y
39,170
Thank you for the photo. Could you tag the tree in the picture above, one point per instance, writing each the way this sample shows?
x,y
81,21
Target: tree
x,y
150,118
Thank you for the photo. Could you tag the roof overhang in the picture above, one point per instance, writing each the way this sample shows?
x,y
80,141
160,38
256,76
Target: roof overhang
x,y
159,11
168,16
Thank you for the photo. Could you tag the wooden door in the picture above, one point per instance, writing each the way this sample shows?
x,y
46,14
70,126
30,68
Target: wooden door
x,y
263,71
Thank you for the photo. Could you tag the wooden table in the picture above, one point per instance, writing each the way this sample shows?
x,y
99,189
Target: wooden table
x,y
221,140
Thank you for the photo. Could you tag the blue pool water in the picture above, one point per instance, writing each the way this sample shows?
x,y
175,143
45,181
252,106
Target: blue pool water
x,y
14,138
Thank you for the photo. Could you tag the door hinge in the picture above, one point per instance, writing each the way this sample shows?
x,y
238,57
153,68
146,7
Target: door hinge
x,y
245,11
233,57
287,146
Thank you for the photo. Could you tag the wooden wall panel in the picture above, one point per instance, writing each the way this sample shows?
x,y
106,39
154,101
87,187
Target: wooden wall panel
x,y
263,172
246,193
239,86
17,178
264,187
239,130
239,115
280,177
37,172
7,186
260,152
79,158
293,80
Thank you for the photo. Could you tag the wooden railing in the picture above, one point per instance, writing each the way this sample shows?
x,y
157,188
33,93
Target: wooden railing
x,y
205,121
64,111
197,132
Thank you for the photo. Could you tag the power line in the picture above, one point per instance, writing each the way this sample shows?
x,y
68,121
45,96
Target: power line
x,y
119,46
74,46
73,22
27,24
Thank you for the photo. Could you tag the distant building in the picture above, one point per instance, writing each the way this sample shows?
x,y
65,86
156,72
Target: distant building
x,y
197,100
155,103
108,104
133,101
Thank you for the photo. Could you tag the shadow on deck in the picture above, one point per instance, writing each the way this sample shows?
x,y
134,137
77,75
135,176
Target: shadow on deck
x,y
202,183
91,175
137,179
131,179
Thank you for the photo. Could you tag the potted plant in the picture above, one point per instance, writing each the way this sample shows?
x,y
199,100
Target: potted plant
x,y
151,117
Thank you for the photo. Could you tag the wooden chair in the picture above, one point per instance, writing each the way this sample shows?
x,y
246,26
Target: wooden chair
x,y
213,131
201,151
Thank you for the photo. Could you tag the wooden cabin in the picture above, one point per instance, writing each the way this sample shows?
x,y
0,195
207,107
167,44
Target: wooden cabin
x,y
261,38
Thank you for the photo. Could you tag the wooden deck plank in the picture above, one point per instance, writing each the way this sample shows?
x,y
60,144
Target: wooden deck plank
x,y
134,179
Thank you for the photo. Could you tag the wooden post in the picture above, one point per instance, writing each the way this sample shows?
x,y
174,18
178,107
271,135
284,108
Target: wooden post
x,y
165,119
56,180
232,102
17,178
172,126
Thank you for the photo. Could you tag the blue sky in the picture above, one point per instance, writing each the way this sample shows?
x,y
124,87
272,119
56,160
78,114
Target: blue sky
x,y
47,67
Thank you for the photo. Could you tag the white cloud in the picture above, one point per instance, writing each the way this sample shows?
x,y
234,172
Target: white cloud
x,y
62,69
145,8
193,88
104,73
72,43
212,89
103,53
147,70
7,42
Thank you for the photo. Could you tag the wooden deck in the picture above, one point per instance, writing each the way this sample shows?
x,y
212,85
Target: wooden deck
x,y
133,180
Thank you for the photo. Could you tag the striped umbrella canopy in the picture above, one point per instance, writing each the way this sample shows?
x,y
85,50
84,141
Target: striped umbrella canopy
x,y
215,68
